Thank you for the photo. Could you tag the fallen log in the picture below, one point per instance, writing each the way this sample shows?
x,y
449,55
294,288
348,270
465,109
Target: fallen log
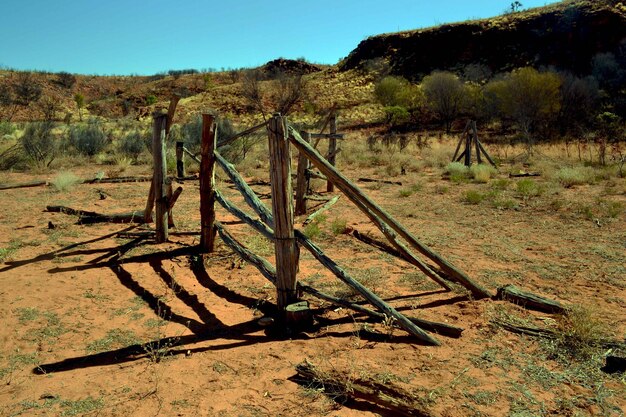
x,y
322,209
379,181
431,326
524,174
529,300
91,217
551,334
23,185
339,386
377,214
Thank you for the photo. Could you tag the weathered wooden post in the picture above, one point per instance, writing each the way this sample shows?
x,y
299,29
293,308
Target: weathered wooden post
x,y
302,182
282,210
160,177
332,148
207,183
180,160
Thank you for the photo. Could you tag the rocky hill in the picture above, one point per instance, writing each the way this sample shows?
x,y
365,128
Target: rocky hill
x,y
566,35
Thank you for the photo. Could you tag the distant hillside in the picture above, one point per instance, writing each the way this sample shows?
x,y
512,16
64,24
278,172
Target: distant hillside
x,y
566,35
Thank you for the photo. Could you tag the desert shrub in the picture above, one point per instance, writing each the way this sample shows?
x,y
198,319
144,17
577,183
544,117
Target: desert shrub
x,y
457,171
569,177
151,99
7,128
65,79
39,143
482,172
132,144
436,157
312,230
191,133
389,89
88,139
396,115
500,184
64,181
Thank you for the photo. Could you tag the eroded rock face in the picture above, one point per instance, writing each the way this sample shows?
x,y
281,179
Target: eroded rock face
x,y
566,37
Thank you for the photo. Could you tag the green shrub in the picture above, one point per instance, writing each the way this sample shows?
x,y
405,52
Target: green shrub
x,y
500,184
150,100
39,143
482,173
132,144
64,181
396,115
88,139
568,177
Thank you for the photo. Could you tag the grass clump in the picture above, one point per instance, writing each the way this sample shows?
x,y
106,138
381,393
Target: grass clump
x,y
482,173
65,181
409,191
115,338
81,407
338,226
569,177
580,334
457,172
528,188
474,197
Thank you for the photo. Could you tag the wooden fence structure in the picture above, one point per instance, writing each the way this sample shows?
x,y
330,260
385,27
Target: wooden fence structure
x,y
277,224
469,138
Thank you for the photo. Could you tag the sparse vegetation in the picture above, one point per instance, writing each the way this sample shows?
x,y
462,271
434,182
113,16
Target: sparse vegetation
x,y
88,139
64,181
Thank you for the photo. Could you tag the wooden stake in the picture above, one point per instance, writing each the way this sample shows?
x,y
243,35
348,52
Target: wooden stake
x,y
282,210
159,179
170,115
302,184
147,213
458,146
332,148
355,194
475,139
207,183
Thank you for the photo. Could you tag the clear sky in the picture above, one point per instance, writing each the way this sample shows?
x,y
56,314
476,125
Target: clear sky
x,y
145,37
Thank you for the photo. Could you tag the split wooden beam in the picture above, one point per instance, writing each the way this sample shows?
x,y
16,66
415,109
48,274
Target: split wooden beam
x,y
431,326
302,179
380,216
266,216
332,149
322,209
160,177
286,248
529,300
207,183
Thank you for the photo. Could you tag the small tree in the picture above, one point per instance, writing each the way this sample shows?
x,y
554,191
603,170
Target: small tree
x,y
280,94
529,97
26,89
79,99
444,93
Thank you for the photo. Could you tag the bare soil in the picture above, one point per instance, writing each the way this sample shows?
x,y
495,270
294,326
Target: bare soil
x,y
97,323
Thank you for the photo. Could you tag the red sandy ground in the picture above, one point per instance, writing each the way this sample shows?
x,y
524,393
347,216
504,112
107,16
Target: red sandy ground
x,y
67,314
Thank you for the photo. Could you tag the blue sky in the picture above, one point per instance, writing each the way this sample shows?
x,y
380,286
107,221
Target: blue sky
x,y
140,37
